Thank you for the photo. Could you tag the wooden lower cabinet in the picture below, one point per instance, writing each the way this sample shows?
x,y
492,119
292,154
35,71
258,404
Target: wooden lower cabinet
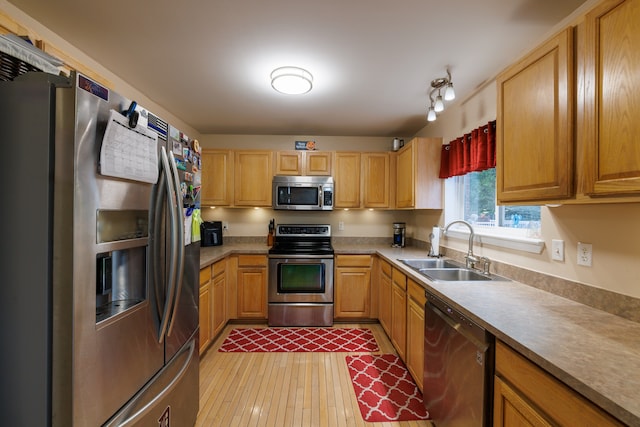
x,y
251,287
526,395
415,331
352,286
218,297
399,312
384,296
204,308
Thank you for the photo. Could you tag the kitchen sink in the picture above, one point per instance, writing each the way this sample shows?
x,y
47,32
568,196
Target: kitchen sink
x,y
453,274
418,264
448,271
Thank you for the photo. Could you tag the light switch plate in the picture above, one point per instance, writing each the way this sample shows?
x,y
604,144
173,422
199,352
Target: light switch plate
x,y
585,254
557,250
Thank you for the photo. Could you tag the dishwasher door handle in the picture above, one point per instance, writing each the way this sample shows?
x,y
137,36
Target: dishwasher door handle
x,y
459,327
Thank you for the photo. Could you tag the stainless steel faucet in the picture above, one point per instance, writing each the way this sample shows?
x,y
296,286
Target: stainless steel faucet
x,y
471,259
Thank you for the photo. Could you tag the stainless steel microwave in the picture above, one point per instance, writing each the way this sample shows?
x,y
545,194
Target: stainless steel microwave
x,y
304,193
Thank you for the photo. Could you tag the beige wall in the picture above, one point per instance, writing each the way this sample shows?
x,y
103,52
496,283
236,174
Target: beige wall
x,y
286,142
357,223
613,229
119,85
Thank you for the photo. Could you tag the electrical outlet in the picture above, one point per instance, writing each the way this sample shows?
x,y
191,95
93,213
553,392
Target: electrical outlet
x,y
341,225
585,254
557,250
225,225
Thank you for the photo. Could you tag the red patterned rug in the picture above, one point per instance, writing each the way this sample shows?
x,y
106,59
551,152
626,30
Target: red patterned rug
x,y
299,340
384,389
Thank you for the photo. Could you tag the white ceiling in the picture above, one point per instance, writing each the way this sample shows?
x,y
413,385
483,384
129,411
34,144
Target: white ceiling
x,y
208,61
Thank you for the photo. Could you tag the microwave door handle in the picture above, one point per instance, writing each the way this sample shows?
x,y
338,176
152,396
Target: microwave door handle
x,y
320,197
179,243
173,254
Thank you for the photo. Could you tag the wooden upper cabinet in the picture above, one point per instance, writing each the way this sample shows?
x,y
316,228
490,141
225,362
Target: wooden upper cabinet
x,y
289,163
301,162
253,174
376,185
418,185
318,163
217,178
612,99
347,180
534,133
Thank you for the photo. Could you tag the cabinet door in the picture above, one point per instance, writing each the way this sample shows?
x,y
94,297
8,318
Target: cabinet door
x,y
415,331
347,180
318,163
511,410
204,308
405,177
353,292
399,312
376,180
289,163
217,178
534,129
252,295
252,286
218,298
253,176
384,298
612,98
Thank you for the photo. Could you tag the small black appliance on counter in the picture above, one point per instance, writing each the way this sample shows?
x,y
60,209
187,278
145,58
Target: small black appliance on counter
x,y
211,233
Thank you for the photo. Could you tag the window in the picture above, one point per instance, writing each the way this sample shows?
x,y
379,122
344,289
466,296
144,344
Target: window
x,y
472,197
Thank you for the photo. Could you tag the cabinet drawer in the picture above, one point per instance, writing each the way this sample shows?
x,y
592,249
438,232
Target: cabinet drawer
x,y
386,268
416,292
399,278
353,261
219,267
252,261
205,275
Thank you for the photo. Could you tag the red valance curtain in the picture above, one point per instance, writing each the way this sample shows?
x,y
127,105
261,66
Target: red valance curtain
x,y
473,152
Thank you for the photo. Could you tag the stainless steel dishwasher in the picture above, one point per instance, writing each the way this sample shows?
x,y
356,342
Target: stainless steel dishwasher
x,y
458,367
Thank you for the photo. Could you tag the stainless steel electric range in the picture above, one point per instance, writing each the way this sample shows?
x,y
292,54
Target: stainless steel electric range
x,y
301,276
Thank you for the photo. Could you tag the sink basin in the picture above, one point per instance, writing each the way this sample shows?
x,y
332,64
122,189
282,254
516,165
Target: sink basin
x,y
419,264
453,274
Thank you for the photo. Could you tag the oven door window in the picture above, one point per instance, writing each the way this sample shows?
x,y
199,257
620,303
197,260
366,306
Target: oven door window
x,y
301,278
303,196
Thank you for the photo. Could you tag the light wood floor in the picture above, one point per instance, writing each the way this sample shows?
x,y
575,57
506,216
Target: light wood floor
x,y
282,389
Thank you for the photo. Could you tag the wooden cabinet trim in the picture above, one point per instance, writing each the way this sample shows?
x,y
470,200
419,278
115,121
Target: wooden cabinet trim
x,y
560,403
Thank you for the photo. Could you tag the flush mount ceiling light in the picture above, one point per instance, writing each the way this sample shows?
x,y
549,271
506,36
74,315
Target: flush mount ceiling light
x,y
437,104
291,80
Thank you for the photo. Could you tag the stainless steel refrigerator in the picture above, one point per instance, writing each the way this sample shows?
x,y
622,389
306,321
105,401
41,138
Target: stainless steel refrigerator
x,y
99,280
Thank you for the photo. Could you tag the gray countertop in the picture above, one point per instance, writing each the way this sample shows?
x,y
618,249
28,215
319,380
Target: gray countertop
x,y
594,352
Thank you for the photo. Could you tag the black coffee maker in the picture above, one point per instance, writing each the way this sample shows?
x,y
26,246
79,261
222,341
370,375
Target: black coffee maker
x,y
211,233
398,234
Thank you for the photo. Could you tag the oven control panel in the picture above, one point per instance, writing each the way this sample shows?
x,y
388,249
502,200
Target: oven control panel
x,y
302,230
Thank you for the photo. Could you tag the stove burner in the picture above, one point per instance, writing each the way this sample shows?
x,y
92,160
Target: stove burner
x,y
302,239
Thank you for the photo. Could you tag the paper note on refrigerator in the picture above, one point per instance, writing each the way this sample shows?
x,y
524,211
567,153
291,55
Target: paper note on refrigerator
x,y
129,153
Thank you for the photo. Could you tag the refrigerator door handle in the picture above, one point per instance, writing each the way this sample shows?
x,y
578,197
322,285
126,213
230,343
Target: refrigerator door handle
x,y
157,216
173,255
179,244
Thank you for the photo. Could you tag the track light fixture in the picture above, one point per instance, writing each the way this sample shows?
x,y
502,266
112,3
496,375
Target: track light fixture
x,y
437,104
